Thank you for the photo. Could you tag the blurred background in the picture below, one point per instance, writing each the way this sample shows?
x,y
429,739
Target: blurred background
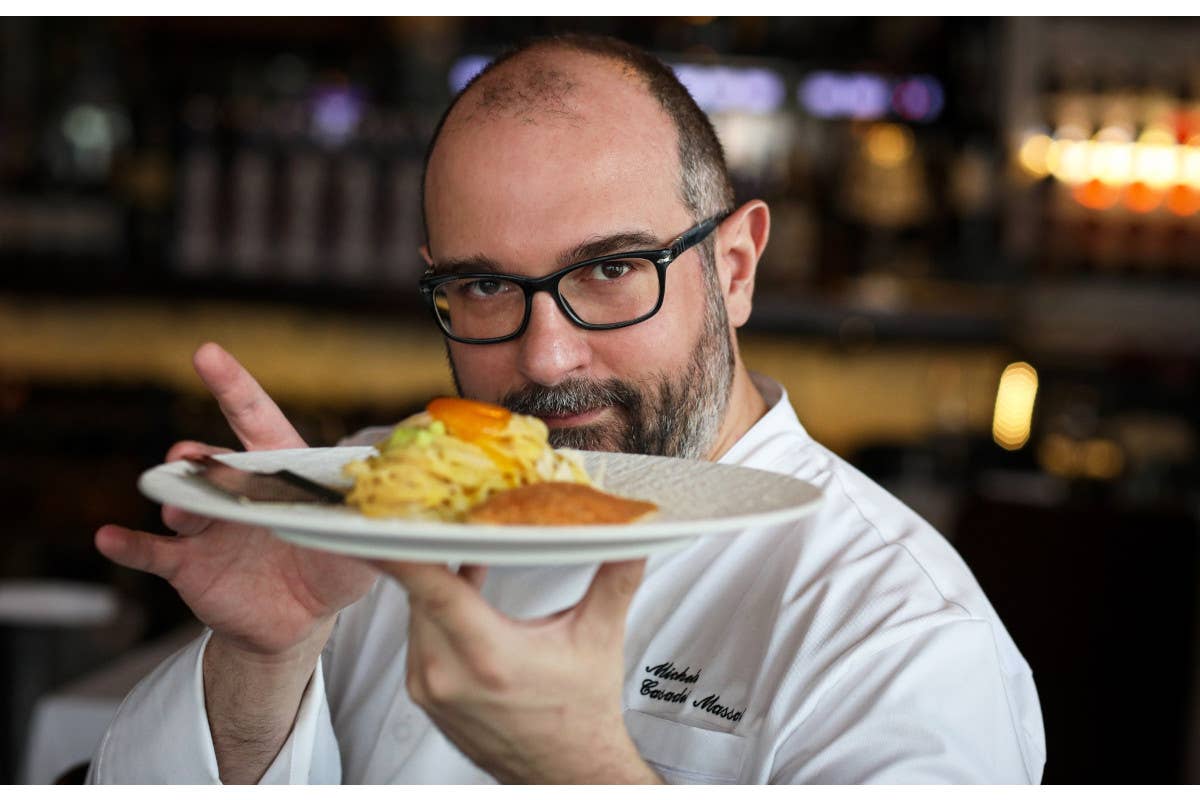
x,y
982,288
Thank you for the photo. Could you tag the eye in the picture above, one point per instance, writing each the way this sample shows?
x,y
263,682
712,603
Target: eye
x,y
483,287
611,270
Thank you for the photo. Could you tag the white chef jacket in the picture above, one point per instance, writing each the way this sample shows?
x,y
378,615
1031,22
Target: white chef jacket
x,y
853,646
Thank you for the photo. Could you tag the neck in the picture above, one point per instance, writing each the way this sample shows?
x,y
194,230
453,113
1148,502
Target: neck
x,y
746,407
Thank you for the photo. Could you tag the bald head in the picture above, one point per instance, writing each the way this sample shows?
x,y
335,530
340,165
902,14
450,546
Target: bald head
x,y
564,81
531,86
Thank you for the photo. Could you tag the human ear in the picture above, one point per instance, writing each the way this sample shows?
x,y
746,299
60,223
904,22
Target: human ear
x,y
740,242
425,254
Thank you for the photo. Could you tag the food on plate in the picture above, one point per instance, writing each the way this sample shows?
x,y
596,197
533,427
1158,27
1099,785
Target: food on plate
x,y
559,503
453,456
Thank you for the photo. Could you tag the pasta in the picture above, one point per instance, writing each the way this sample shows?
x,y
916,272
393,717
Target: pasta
x,y
453,456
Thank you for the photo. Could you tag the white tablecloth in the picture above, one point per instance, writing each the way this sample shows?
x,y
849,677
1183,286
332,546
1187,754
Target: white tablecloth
x,y
67,724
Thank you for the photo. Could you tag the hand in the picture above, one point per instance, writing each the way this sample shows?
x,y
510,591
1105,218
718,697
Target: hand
x,y
260,595
530,701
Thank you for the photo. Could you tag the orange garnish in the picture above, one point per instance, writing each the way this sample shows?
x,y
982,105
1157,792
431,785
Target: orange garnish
x,y
469,419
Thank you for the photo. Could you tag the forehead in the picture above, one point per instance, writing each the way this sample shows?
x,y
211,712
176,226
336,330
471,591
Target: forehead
x,y
563,147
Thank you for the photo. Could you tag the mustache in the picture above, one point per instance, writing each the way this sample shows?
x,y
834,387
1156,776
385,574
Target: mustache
x,y
572,396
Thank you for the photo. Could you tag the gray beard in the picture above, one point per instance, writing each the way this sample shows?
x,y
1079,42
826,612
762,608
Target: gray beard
x,y
661,416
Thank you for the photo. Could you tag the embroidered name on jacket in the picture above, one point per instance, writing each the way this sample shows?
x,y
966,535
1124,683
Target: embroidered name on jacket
x,y
711,705
667,671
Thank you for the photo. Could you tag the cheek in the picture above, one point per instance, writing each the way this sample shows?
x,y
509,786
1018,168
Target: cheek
x,y
485,373
660,345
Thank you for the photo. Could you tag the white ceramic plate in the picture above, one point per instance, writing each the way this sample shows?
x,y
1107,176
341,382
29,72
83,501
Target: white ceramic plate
x,y
695,498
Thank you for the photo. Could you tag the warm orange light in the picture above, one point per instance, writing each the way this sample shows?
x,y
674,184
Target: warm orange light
x,y
1032,155
1190,164
1057,455
1156,164
1068,160
1101,459
1157,135
1112,162
1183,201
1142,199
889,145
1096,195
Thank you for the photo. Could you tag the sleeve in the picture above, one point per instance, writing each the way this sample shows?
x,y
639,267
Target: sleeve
x,y
932,708
160,733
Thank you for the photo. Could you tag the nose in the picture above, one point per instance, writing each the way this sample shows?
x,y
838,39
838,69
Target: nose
x,y
552,347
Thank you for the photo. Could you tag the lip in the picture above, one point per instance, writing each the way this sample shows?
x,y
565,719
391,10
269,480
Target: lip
x,y
573,420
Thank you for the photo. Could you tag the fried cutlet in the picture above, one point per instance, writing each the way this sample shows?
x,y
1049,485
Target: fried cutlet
x,y
558,503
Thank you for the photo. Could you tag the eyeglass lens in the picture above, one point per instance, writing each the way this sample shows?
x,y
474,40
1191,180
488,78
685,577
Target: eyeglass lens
x,y
605,293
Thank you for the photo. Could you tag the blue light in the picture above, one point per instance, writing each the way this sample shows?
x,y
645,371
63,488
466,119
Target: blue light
x,y
865,95
721,89
464,70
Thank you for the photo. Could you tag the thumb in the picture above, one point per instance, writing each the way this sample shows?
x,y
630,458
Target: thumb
x,y
604,606
158,555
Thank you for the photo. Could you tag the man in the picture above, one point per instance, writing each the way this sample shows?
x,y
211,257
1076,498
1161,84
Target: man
x,y
852,647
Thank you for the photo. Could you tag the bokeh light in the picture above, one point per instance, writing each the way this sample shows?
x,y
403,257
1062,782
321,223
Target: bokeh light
x,y
1013,417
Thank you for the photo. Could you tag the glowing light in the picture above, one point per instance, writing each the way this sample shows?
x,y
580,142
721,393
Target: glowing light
x,y
1032,155
1183,201
88,128
866,95
1057,455
1142,199
1101,459
889,145
1096,195
1156,165
1013,417
1112,162
918,99
1071,130
1114,133
1189,166
464,70
1155,170
717,90
858,96
1068,161
1157,135
336,111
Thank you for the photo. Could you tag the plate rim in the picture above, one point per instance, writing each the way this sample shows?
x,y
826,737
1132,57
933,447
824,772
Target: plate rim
x,y
461,533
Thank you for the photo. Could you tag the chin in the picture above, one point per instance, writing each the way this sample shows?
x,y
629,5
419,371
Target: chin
x,y
587,437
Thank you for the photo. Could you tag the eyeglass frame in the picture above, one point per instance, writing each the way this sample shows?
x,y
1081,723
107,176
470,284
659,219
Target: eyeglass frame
x,y
661,258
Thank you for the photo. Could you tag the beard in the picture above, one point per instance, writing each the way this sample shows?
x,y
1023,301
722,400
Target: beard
x,y
662,415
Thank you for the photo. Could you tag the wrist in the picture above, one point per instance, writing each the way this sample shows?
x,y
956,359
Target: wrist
x,y
612,759
251,700
296,656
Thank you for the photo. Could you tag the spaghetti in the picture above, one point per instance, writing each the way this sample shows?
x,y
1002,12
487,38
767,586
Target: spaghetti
x,y
453,456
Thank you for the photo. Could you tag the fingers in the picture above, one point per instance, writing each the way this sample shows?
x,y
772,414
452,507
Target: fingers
x,y
450,601
178,520
607,601
158,555
183,522
189,449
474,574
251,413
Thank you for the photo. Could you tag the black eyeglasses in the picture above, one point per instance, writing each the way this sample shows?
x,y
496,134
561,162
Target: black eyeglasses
x,y
602,293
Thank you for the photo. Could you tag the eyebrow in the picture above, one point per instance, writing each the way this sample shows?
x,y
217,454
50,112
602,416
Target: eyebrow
x,y
595,247
613,243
